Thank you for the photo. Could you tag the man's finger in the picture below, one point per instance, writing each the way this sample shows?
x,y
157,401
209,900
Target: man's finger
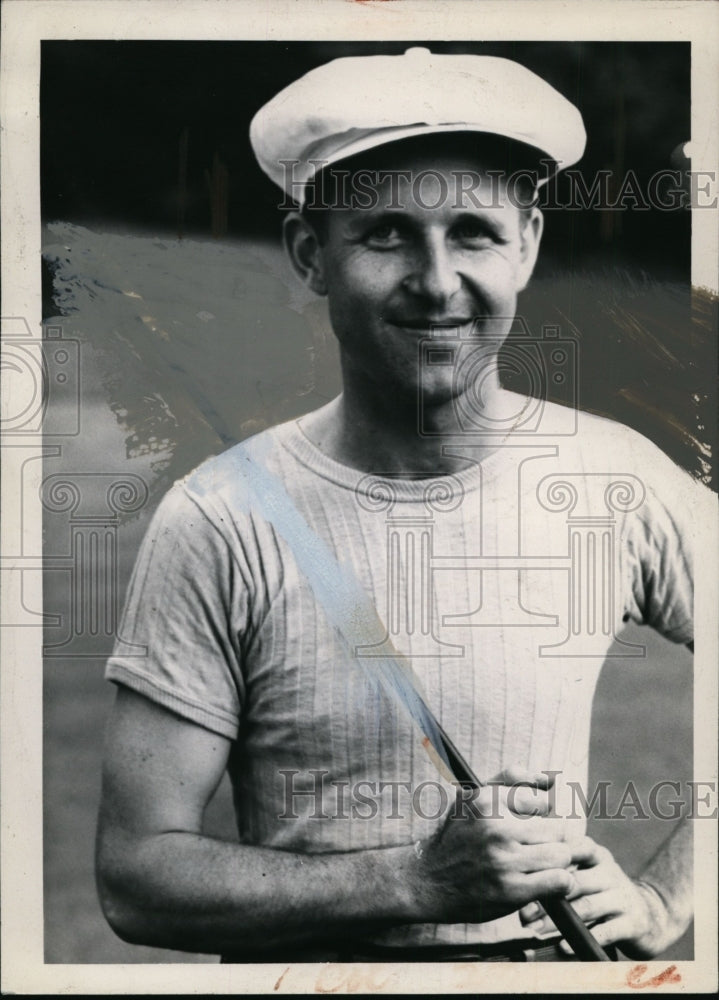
x,y
600,905
587,852
495,801
554,882
592,880
611,931
536,829
540,857
530,912
525,800
517,775
544,927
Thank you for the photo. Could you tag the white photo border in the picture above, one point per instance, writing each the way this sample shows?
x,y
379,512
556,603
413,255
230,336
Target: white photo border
x,y
25,24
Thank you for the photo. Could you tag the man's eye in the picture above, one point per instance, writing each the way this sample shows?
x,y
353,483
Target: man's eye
x,y
472,231
382,235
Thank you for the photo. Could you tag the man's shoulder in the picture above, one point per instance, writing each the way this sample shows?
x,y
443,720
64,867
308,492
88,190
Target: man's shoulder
x,y
624,440
603,439
219,497
235,466
577,434
604,445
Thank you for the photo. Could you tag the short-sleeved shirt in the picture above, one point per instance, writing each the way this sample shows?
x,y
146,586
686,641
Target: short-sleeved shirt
x,y
504,586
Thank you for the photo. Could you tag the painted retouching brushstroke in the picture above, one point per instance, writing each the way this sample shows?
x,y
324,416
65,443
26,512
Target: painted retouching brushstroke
x,y
250,488
349,609
167,338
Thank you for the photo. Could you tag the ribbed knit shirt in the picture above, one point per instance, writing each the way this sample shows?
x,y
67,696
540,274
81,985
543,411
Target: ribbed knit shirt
x,y
503,585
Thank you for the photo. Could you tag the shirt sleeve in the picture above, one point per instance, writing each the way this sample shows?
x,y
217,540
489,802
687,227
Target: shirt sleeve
x,y
180,637
661,545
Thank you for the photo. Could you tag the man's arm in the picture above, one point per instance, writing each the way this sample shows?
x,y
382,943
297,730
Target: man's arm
x,y
670,876
647,914
643,915
163,883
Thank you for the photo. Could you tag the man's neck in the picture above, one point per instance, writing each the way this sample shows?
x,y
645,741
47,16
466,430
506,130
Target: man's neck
x,y
385,437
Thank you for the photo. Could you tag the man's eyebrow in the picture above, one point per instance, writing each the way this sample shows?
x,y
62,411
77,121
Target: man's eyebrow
x,y
361,218
484,217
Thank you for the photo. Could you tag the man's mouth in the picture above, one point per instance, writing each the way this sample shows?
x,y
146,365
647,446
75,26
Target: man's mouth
x,y
430,324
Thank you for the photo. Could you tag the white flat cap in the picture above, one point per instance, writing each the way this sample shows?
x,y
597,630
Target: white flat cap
x,y
353,104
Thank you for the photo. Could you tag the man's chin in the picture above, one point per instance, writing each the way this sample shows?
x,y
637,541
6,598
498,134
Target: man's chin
x,y
438,403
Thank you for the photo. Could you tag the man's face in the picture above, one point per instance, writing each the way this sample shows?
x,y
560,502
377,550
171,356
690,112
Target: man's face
x,y
442,258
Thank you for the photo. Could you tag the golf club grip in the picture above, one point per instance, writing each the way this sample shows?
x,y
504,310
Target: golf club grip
x,y
573,930
568,923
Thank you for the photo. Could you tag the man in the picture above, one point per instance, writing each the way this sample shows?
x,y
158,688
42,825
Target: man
x,y
441,501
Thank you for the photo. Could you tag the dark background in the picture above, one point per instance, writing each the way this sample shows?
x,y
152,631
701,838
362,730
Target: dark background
x,y
114,113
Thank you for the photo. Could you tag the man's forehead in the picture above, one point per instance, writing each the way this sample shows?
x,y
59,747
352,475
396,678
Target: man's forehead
x,y
420,178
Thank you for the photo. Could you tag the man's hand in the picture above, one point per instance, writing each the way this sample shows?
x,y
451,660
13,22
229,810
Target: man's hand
x,y
495,852
627,912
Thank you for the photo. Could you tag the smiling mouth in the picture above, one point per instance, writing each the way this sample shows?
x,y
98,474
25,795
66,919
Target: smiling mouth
x,y
430,325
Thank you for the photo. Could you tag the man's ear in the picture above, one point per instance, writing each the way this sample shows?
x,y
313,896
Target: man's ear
x,y
531,237
305,253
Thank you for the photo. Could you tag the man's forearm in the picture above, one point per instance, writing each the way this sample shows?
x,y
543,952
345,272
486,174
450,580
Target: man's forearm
x,y
189,892
670,875
179,889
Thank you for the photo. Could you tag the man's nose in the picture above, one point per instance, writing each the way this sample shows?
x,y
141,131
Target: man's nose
x,y
434,273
